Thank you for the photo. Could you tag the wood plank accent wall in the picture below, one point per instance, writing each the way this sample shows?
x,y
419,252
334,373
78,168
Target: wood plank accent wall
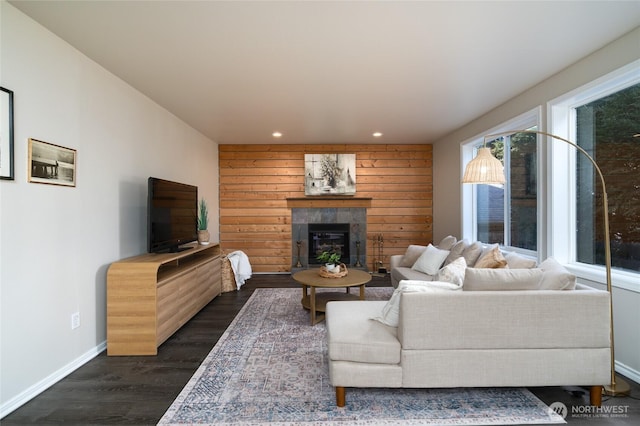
x,y
256,180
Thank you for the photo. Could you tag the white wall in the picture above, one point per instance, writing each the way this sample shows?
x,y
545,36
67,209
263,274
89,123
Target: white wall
x,y
56,243
447,173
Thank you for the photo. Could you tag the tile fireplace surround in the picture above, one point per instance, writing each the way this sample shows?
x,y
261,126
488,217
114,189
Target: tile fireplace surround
x,y
356,217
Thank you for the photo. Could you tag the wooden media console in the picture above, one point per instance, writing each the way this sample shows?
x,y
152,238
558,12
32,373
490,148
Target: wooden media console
x,y
149,297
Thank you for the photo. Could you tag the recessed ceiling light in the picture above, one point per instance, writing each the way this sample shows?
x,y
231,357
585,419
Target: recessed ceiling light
x,y
276,134
377,135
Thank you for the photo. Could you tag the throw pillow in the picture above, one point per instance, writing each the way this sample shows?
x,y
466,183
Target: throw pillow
x,y
516,261
456,251
447,242
453,272
555,276
502,279
391,312
411,255
491,258
431,260
472,252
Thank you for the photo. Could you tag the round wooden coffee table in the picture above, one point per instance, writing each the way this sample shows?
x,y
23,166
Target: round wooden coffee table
x,y
310,278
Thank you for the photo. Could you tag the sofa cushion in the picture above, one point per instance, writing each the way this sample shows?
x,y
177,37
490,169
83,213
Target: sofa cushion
x,y
411,255
353,336
447,242
491,257
403,273
391,311
516,261
556,276
431,260
502,279
453,272
472,252
456,251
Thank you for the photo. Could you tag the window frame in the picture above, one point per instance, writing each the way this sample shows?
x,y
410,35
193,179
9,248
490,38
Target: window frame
x,y
560,242
529,119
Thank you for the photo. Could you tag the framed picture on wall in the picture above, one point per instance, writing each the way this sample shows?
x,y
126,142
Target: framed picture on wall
x,y
330,174
6,134
52,164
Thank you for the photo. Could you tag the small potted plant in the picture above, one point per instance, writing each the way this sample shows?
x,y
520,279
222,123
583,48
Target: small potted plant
x,y
331,259
203,222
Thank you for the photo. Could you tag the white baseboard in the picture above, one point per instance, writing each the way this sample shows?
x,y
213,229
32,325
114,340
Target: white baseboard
x,y
627,371
44,384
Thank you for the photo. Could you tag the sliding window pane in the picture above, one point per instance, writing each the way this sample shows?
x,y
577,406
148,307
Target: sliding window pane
x,y
490,205
522,188
606,129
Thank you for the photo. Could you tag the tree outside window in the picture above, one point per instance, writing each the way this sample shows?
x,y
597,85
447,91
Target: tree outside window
x,y
606,129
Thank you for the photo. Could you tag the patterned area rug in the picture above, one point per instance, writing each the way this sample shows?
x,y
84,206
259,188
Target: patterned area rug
x,y
270,367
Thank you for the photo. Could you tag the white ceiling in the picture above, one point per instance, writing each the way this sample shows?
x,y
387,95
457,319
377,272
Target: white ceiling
x,y
333,72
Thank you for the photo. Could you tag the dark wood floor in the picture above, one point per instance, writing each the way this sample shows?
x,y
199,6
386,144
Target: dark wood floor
x,y
138,390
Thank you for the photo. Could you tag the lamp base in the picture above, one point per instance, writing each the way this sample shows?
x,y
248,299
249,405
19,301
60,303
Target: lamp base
x,y
620,387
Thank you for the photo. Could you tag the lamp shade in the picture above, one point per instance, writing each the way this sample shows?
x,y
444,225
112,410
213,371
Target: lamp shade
x,y
485,168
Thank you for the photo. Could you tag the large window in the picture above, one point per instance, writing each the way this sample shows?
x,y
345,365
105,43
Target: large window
x,y
508,214
606,128
551,204
603,118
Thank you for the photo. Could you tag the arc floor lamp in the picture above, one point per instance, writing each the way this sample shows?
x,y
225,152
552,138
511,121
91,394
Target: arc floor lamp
x,y
486,169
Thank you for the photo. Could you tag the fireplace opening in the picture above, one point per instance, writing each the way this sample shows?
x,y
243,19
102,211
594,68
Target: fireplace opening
x,y
329,236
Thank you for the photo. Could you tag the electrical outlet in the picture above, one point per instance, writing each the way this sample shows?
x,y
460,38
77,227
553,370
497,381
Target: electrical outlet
x,y
75,320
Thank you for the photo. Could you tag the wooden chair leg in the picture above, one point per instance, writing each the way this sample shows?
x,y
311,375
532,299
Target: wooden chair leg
x,y
341,399
595,395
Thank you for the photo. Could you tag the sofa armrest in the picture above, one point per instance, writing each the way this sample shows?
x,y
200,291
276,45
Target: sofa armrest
x,y
395,260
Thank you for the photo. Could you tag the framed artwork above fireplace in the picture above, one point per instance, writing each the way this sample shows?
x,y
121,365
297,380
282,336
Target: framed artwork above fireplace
x,y
330,174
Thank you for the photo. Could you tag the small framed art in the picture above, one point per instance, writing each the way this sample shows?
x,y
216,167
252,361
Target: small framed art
x,y
52,164
6,134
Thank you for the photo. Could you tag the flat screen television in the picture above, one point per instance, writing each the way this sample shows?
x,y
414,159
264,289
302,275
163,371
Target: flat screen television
x,y
172,215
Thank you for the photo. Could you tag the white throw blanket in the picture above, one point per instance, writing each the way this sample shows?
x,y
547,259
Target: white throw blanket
x,y
240,266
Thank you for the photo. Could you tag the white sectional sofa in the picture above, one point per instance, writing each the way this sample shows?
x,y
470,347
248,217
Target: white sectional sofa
x,y
498,327
414,263
473,339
